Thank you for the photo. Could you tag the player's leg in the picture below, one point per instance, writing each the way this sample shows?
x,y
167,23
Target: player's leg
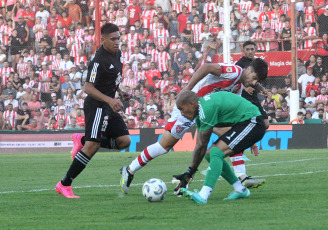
x,y
94,121
173,132
246,134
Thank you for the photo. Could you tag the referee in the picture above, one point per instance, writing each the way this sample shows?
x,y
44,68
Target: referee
x,y
103,125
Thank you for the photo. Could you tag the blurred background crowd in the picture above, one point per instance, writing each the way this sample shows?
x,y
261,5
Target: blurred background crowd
x,y
45,46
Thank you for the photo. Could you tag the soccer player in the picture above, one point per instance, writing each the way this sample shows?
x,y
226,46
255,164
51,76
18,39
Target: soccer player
x,y
103,125
207,79
215,110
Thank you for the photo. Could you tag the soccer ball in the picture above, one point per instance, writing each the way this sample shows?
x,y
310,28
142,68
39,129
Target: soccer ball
x,y
154,190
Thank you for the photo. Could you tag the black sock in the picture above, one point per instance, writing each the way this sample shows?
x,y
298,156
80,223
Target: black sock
x,y
80,161
108,143
83,140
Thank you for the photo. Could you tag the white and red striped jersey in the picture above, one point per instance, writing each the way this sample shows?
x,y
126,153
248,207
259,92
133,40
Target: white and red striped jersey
x,y
65,32
140,75
43,76
3,3
322,97
146,65
261,8
154,54
110,14
244,7
264,19
146,17
189,4
6,71
78,59
197,29
261,46
121,22
132,41
162,37
324,84
129,110
39,34
54,65
176,46
2,31
309,13
69,101
244,29
220,10
280,25
153,28
51,57
8,32
274,19
176,6
65,117
285,8
161,84
311,31
227,81
148,40
4,79
79,32
149,118
22,70
207,7
36,86
125,57
129,82
33,58
11,116
76,44
163,61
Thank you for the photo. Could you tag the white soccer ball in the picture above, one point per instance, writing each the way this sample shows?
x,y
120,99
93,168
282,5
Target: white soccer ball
x,y
154,190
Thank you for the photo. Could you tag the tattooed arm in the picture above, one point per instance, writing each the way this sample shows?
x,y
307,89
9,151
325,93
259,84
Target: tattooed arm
x,y
203,137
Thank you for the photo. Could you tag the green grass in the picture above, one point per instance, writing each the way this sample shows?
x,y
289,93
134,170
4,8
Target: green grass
x,y
294,197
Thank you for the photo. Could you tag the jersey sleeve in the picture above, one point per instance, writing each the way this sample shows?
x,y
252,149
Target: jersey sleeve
x,y
93,71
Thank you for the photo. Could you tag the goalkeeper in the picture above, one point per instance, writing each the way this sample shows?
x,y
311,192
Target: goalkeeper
x,y
221,109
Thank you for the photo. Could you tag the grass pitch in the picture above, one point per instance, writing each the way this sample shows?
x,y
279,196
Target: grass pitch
x,y
294,196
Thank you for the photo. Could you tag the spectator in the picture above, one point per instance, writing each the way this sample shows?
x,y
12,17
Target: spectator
x,y
26,97
286,34
73,125
34,105
182,19
44,14
304,80
315,85
276,96
301,106
66,20
270,35
278,117
174,24
74,11
324,82
12,101
134,12
253,16
309,33
75,77
54,87
323,48
322,97
131,122
44,109
319,69
322,25
10,117
310,102
311,62
141,123
284,109
32,126
299,119
15,43
269,104
209,46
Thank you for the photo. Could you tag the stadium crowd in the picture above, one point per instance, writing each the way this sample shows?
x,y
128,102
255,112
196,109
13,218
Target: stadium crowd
x,y
45,46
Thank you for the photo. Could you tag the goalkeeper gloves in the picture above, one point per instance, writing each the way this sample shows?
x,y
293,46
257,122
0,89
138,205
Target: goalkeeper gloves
x,y
183,180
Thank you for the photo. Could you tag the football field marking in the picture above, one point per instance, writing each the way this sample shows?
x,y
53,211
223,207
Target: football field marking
x,y
202,172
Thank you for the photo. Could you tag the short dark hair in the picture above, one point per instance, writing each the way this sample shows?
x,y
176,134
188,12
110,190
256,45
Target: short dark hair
x,y
260,67
249,43
109,28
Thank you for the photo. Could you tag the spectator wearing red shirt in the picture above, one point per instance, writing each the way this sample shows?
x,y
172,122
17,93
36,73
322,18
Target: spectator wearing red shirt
x,y
80,120
323,48
172,87
52,26
134,12
151,73
29,18
182,19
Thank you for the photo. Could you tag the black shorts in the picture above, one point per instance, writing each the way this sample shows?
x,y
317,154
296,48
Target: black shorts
x,y
102,122
244,134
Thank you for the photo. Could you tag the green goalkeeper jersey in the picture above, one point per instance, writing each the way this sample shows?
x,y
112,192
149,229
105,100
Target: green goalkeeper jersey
x,y
224,109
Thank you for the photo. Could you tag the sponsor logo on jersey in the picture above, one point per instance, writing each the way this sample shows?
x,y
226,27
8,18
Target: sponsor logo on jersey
x,y
179,128
229,69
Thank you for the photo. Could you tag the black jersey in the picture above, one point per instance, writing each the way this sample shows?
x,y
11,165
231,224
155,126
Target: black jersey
x,y
105,71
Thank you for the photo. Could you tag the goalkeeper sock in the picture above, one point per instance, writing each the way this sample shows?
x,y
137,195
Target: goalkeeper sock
x,y
205,192
215,168
145,156
228,174
80,161
238,164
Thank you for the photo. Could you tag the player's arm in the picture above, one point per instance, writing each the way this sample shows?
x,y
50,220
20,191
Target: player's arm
x,y
90,89
202,72
203,137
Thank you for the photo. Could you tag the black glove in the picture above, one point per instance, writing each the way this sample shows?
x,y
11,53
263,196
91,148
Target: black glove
x,y
183,180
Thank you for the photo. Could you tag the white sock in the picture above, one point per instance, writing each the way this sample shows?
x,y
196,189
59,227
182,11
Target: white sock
x,y
149,153
238,164
205,192
238,187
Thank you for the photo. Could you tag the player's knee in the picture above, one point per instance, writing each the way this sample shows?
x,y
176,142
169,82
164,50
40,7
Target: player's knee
x,y
123,142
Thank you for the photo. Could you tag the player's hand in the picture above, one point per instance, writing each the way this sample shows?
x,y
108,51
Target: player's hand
x,y
115,104
183,180
249,90
255,150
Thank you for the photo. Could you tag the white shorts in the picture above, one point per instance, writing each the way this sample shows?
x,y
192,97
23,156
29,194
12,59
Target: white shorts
x,y
178,125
